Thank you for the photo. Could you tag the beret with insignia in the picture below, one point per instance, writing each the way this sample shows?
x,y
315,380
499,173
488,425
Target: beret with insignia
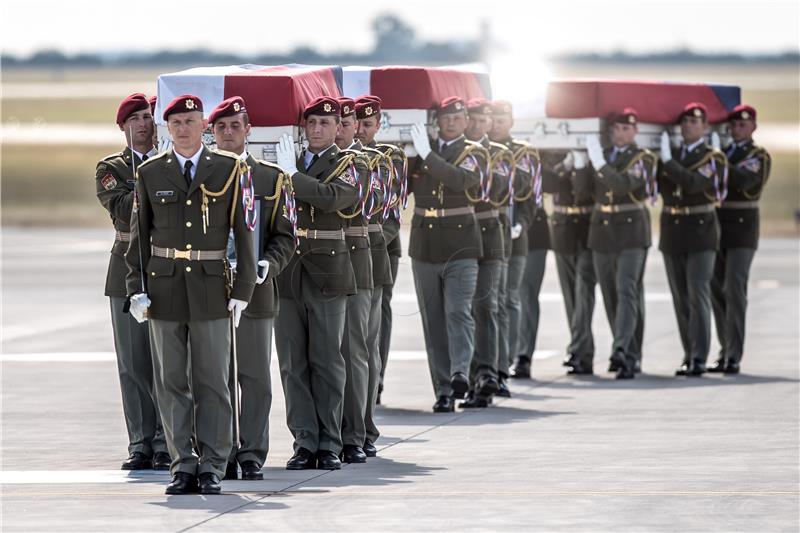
x,y
479,105
153,100
347,105
501,107
227,108
628,115
450,105
130,105
742,112
367,106
184,103
694,109
322,106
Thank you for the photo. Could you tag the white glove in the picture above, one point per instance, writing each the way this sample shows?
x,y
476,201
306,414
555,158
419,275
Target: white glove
x,y
284,152
419,135
262,271
236,306
595,151
666,149
516,231
580,159
569,161
715,144
139,304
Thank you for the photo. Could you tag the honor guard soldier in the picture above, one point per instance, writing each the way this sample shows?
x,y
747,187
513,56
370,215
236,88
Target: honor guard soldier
x,y
622,179
355,348
314,287
569,233
488,197
383,227
115,180
153,100
445,247
748,171
690,180
526,229
273,242
188,200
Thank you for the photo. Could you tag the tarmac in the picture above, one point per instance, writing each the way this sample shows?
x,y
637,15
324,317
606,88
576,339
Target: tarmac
x,y
658,453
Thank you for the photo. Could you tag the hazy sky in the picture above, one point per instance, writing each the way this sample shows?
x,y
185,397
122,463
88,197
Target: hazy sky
x,y
543,27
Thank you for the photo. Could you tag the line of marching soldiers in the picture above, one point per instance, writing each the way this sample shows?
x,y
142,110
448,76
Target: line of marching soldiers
x,y
214,248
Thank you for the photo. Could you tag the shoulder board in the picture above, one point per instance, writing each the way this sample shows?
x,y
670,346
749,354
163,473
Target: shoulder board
x,y
472,143
387,146
112,156
373,150
153,158
757,151
224,152
519,143
346,152
269,165
497,146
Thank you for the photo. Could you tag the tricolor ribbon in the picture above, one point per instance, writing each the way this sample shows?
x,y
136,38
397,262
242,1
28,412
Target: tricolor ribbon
x,y
249,200
650,182
291,211
720,187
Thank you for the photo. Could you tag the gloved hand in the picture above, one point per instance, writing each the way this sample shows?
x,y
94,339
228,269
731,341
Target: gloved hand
x,y
580,159
569,162
516,231
715,143
262,271
419,135
236,307
666,149
284,151
139,304
595,151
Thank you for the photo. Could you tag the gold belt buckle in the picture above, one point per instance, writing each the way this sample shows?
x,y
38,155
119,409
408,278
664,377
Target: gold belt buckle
x,y
183,254
302,232
431,212
607,209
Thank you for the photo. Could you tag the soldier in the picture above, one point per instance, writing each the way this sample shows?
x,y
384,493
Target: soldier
x,y
382,228
313,289
569,233
274,246
115,182
487,199
153,100
738,218
690,232
526,228
188,200
445,247
622,179
354,344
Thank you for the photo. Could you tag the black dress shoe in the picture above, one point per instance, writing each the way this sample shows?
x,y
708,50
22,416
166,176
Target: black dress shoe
x,y
487,385
696,370
522,368
613,367
682,370
353,454
137,461
302,459
327,460
460,384
571,360
580,369
637,367
625,372
231,471
474,401
502,389
161,461
444,404
732,368
718,367
251,471
370,449
208,483
182,483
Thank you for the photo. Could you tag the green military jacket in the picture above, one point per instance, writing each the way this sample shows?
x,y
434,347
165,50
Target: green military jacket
x,y
569,232
320,192
391,226
682,187
360,247
114,182
437,183
167,213
493,236
748,172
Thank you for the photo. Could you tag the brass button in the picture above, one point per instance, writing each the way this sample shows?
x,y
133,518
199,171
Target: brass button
x,y
188,224
677,221
459,225
352,247
188,246
300,208
629,220
702,221
298,251
163,201
152,273
575,220
483,229
333,252
213,199
433,192
430,226
188,202
741,220
188,269
605,222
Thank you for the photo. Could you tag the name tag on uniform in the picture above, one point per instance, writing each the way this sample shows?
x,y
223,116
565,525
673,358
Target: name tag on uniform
x,y
160,194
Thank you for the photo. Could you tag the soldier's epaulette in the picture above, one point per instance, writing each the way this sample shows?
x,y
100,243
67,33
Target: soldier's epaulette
x,y
519,144
270,165
347,151
112,156
373,150
224,152
498,146
472,143
153,158
757,151
388,146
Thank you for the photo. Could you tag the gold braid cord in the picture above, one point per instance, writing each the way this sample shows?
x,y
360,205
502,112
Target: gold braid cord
x,y
766,166
482,156
649,159
238,169
384,166
282,181
502,154
520,152
399,158
721,161
353,158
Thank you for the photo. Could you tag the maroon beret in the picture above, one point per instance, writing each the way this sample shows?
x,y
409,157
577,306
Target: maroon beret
x,y
153,100
322,106
348,106
501,107
628,116
367,106
451,104
479,105
130,105
228,107
742,112
183,104
694,109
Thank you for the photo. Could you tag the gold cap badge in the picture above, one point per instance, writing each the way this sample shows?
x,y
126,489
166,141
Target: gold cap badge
x,y
189,103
